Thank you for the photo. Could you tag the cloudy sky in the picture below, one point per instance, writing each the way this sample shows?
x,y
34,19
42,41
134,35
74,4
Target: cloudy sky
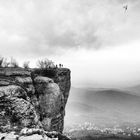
x,y
97,39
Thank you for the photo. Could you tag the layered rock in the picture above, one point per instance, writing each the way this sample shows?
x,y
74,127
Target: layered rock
x,y
33,98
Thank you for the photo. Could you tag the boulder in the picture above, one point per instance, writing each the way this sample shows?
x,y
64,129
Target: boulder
x,y
33,134
49,98
24,80
13,91
32,137
27,83
4,82
16,111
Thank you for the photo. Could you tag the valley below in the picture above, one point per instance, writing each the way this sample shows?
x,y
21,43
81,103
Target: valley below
x,y
102,114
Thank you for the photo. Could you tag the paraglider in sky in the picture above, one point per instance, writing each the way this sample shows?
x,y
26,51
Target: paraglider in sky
x,y
125,7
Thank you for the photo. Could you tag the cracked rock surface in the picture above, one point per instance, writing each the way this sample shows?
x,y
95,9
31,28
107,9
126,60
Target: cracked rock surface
x,y
33,99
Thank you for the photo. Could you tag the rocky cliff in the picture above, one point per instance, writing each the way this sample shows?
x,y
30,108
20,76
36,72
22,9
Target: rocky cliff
x,y
34,99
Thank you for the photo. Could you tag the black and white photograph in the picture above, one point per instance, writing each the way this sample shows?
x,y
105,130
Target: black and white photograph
x,y
69,69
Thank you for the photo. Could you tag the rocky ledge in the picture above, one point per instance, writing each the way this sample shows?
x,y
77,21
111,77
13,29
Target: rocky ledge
x,y
33,134
33,100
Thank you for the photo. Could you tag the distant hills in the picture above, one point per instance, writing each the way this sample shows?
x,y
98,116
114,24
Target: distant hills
x,y
102,106
135,90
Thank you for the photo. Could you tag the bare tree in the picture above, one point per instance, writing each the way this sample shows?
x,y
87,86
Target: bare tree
x,y
26,64
45,63
1,61
5,63
14,63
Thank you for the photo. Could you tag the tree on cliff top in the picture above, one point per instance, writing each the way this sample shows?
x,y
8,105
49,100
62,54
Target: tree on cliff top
x,y
5,63
26,64
45,63
1,61
14,63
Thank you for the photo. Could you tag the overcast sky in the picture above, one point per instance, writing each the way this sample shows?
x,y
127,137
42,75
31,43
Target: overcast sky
x,y
97,39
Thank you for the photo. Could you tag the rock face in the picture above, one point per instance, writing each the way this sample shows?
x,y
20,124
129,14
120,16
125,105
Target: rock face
x,y
56,89
49,100
33,98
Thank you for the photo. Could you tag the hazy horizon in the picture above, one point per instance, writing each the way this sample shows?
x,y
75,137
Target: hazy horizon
x,y
98,40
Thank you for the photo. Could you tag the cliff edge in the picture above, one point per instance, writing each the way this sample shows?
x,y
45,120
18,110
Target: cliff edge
x,y
33,101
